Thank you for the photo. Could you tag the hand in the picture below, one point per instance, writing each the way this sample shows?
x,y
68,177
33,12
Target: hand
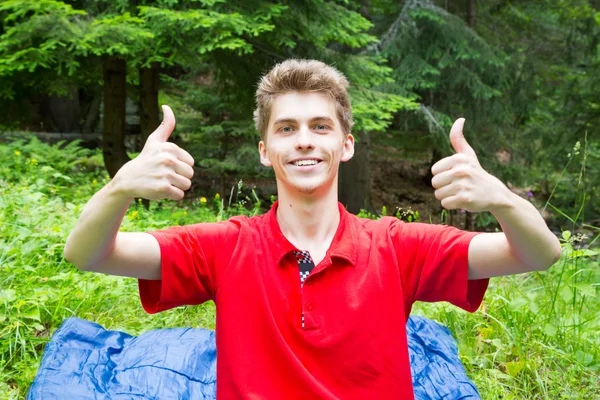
x,y
163,170
461,182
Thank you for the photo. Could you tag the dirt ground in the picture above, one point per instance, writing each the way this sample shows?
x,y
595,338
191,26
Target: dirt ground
x,y
401,182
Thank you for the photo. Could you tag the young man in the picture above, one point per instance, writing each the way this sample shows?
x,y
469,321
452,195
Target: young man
x,y
311,301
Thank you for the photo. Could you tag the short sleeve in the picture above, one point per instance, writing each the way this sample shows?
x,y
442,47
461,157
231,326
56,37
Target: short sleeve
x,y
434,265
193,261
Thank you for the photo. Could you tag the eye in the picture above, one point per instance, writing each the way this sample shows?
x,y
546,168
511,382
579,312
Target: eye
x,y
321,127
286,129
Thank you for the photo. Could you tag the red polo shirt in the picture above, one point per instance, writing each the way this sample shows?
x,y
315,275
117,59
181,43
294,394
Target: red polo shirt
x,y
355,302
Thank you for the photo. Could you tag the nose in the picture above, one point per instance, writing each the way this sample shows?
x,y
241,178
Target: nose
x,y
304,139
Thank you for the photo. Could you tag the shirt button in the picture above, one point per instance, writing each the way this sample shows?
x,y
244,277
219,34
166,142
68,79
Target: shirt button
x,y
309,307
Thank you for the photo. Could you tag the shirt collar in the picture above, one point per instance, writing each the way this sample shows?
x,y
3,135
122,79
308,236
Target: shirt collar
x,y
342,246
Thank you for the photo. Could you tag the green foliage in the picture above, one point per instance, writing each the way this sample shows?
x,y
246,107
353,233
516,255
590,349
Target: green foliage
x,y
536,335
553,95
38,35
201,31
445,66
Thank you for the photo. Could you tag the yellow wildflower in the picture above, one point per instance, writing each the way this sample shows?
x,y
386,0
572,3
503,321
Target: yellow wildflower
x,y
17,153
34,161
203,200
94,182
185,213
133,214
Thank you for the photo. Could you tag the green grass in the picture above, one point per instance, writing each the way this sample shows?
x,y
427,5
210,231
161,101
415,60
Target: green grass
x,y
535,337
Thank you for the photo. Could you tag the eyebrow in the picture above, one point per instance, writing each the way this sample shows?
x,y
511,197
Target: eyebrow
x,y
294,121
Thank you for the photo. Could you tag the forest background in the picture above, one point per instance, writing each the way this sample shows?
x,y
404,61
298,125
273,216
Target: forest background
x,y
525,75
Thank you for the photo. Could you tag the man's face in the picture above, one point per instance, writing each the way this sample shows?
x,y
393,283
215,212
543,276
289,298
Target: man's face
x,y
304,142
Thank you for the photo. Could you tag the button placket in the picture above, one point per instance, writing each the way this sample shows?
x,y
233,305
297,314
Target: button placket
x,y
305,267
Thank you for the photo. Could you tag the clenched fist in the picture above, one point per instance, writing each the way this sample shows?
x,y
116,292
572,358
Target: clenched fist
x,y
163,170
461,182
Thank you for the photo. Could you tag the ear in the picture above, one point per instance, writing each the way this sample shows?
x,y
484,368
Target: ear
x,y
348,148
262,150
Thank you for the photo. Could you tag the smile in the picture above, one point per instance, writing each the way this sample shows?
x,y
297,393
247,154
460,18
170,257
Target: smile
x,y
305,163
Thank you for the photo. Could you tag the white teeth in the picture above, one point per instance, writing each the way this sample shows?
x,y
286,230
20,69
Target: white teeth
x,y
305,162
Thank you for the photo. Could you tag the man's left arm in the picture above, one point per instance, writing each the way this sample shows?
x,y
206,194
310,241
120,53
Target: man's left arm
x,y
526,244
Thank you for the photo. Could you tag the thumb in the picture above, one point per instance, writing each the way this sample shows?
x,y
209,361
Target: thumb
x,y
166,127
457,139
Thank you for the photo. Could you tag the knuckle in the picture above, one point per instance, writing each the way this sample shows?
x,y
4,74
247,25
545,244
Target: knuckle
x,y
462,171
461,157
463,186
170,175
170,146
466,198
167,160
165,189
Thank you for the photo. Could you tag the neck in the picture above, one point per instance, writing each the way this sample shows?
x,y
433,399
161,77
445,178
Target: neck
x,y
308,221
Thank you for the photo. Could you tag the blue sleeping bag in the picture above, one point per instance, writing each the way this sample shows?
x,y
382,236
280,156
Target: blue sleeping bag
x,y
85,361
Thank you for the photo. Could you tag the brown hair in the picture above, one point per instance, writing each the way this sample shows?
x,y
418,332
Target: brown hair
x,y
302,76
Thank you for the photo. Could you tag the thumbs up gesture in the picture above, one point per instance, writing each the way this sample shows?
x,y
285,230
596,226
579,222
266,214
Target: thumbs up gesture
x,y
461,182
163,170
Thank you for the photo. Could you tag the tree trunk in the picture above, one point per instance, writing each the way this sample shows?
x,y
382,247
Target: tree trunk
x,y
364,9
470,13
113,136
149,120
469,223
65,111
92,115
355,178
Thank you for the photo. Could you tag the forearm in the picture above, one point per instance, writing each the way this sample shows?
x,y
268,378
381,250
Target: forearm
x,y
96,230
527,234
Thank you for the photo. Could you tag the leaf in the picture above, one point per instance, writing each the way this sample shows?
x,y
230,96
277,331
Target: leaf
x,y
582,253
33,313
38,327
486,332
498,374
566,293
515,367
518,305
8,295
550,330
566,235
586,289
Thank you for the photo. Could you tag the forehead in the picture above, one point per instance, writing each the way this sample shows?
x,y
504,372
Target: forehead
x,y
302,106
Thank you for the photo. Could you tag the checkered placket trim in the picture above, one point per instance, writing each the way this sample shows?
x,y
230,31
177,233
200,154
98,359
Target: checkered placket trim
x,y
303,257
303,276
305,265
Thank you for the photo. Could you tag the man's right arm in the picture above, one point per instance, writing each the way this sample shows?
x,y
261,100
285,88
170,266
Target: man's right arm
x,y
161,171
97,245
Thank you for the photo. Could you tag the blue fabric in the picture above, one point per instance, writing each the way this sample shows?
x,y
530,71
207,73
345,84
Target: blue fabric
x,y
437,372
85,361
